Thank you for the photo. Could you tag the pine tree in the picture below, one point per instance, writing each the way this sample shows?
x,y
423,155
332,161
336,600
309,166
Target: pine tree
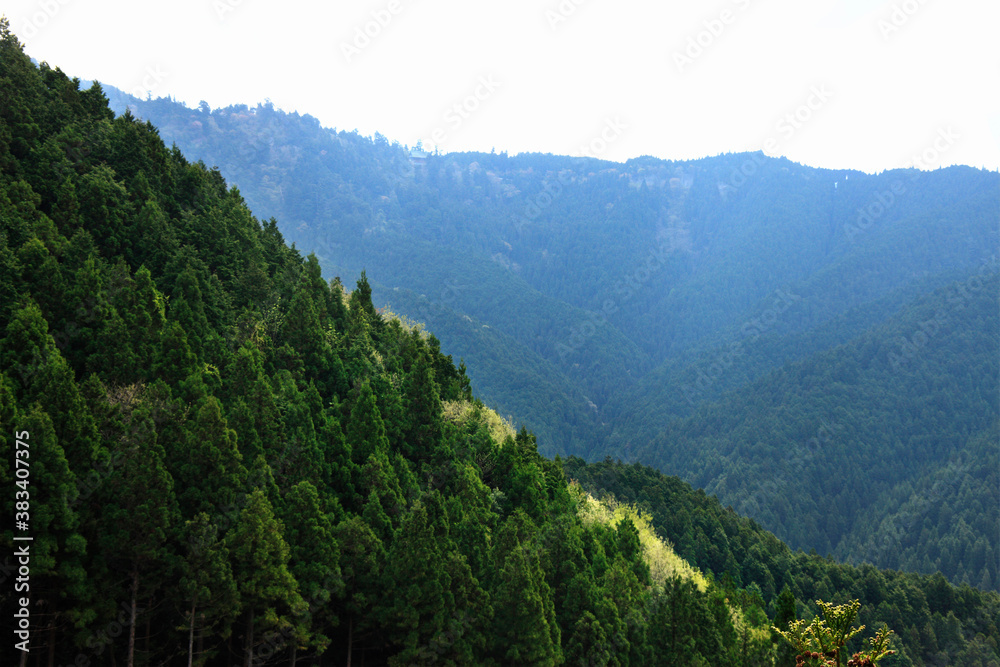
x,y
208,590
209,471
526,630
363,558
365,431
268,591
423,410
45,498
588,644
314,559
140,513
31,356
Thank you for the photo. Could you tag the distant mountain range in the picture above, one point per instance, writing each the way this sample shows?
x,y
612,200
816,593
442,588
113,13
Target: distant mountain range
x,y
747,323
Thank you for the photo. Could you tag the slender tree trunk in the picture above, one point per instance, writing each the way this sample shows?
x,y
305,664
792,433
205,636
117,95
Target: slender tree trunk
x,y
350,639
194,605
295,648
249,638
52,642
131,625
149,621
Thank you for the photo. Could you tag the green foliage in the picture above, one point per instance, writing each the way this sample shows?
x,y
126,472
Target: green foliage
x,y
677,313
822,641
249,463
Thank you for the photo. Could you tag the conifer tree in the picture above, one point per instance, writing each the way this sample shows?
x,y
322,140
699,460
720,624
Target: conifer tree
x,y
187,308
45,498
208,590
314,559
31,356
268,591
423,410
365,430
141,513
209,471
526,629
363,558
174,360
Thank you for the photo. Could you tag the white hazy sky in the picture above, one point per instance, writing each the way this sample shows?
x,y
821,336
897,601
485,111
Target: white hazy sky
x,y
864,84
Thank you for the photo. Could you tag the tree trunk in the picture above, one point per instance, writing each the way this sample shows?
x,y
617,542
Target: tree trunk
x,y
131,625
350,639
52,642
249,638
194,605
295,648
149,621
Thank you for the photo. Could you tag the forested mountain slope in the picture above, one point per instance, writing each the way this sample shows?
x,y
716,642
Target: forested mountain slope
x,y
748,561
235,461
231,460
895,408
606,270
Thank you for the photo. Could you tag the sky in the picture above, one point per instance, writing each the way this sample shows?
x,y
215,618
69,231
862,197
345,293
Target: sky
x,y
845,84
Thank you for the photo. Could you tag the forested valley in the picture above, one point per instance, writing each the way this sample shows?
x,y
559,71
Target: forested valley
x,y
743,322
237,457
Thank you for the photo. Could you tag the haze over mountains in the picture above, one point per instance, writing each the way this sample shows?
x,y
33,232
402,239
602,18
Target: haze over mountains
x,y
222,456
742,321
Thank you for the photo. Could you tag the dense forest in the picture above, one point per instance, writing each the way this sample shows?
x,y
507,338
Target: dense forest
x,y
222,457
740,321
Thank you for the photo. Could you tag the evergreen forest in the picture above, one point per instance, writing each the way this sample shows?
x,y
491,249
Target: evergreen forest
x,y
223,453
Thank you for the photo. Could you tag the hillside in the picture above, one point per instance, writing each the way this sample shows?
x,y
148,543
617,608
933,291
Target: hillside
x,y
746,559
230,460
890,410
234,460
625,297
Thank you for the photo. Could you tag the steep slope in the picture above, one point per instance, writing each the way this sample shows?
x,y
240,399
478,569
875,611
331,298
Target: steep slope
x,y
671,258
889,408
646,288
227,459
234,460
937,623
946,520
505,372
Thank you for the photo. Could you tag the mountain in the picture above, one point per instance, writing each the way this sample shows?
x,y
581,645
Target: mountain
x,y
635,309
924,609
220,456
888,410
